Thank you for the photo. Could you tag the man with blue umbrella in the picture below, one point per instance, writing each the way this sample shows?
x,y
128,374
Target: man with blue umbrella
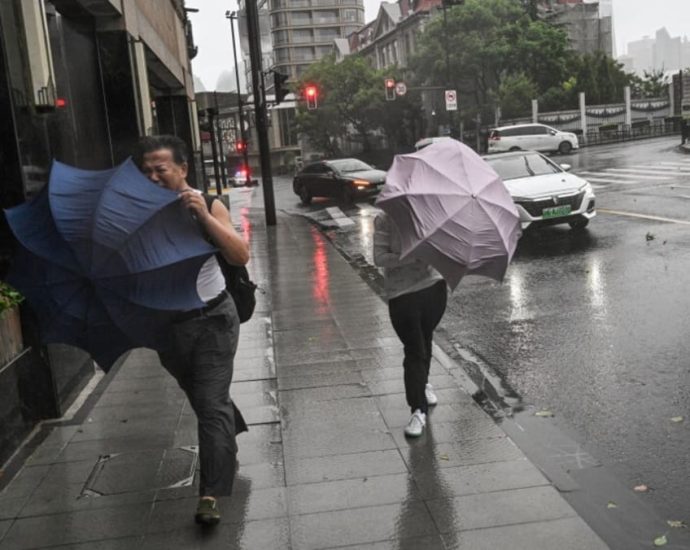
x,y
203,344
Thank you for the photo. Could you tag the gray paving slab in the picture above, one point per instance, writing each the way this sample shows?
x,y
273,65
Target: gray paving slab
x,y
126,543
431,542
358,526
561,534
263,534
77,527
344,466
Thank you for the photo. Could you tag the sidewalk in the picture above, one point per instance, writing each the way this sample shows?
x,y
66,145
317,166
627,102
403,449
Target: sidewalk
x,y
325,464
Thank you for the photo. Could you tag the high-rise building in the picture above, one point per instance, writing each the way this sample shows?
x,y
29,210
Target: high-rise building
x,y
589,23
303,31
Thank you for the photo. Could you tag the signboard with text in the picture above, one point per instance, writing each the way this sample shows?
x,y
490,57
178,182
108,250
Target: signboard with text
x,y
451,100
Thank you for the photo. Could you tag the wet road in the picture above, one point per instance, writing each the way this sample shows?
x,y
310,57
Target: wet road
x,y
591,326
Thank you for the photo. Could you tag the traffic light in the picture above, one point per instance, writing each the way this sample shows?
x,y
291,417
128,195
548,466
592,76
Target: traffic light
x,y
240,146
389,84
312,96
280,86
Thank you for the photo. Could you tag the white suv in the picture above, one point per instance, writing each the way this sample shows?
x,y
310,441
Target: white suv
x,y
537,137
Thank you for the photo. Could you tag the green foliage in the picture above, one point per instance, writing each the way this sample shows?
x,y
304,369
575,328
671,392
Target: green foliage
x,y
515,94
652,84
9,297
488,42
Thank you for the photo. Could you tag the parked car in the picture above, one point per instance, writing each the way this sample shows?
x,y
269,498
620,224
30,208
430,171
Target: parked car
x,y
543,191
428,141
342,178
531,137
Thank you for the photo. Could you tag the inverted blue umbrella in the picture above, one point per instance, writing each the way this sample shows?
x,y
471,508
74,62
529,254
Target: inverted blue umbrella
x,y
106,259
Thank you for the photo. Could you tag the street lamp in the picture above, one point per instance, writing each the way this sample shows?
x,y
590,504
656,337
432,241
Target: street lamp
x,y
245,153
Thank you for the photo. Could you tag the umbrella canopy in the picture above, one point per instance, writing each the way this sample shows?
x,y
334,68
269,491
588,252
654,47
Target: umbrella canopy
x,y
452,211
105,259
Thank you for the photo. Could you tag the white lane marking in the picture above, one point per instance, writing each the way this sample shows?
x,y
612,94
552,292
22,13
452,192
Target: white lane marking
x,y
684,164
641,216
610,181
665,169
642,174
605,175
339,216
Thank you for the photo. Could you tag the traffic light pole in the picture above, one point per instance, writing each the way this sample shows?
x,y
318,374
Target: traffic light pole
x,y
259,92
245,150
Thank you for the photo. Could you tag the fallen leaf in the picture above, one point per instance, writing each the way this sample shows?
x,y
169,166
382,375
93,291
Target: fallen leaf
x,y
676,524
661,541
649,236
640,488
611,504
677,419
444,457
544,414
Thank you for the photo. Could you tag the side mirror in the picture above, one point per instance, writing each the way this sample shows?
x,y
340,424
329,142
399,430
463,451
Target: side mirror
x,y
552,132
565,167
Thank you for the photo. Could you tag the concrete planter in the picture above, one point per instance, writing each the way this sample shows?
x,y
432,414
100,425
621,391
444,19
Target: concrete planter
x,y
11,343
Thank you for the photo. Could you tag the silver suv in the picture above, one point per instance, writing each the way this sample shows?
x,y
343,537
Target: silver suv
x,y
536,137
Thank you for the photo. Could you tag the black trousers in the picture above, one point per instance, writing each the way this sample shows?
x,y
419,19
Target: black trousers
x,y
201,360
414,317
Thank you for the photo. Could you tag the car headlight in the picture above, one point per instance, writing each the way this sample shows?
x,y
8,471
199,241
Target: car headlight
x,y
587,188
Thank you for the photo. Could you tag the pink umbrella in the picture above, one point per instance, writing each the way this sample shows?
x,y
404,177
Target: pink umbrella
x,y
452,211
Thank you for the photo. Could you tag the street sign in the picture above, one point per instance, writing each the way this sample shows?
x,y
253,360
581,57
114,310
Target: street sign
x,y
401,88
451,100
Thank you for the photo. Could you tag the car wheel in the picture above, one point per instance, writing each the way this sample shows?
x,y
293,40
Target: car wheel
x,y
579,224
514,149
305,195
348,194
565,147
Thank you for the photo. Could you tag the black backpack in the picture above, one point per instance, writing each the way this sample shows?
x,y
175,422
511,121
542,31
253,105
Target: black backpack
x,y
237,281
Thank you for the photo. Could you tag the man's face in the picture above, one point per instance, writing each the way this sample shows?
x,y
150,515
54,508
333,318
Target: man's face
x,y
160,167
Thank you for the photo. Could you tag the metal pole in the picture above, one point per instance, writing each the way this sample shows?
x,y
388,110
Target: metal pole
x,y
451,121
245,150
254,37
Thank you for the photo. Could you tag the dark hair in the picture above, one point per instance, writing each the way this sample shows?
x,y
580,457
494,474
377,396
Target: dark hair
x,y
149,144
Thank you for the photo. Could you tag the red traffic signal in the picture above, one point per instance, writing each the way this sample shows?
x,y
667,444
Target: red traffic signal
x,y
389,84
240,146
312,95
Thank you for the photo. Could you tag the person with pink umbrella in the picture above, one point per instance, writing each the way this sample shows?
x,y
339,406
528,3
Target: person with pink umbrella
x,y
446,214
417,296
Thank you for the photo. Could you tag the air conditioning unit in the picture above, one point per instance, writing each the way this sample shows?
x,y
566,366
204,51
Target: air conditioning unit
x,y
42,74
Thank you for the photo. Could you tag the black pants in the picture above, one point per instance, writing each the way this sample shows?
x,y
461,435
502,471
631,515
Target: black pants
x,y
201,360
414,317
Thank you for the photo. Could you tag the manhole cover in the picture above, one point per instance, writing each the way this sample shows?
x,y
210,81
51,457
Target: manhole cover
x,y
142,471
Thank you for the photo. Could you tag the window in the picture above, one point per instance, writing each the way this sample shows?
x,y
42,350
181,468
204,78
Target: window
x,y
301,36
536,130
325,16
351,16
280,37
288,135
303,54
300,18
282,55
522,166
326,35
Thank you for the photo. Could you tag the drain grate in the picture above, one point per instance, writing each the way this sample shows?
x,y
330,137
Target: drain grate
x,y
142,471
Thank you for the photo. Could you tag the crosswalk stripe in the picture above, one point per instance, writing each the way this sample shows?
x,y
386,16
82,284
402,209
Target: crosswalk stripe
x,y
339,217
619,178
643,174
641,216
680,164
665,169
610,180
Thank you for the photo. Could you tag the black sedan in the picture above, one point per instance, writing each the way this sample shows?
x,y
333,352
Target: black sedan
x,y
343,179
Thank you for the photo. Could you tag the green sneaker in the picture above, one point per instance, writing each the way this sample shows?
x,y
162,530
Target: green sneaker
x,y
207,512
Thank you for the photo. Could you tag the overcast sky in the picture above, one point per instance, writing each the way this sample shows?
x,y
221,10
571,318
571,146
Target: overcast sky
x,y
633,19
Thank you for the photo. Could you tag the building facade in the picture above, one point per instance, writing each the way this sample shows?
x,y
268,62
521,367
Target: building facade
x,y
589,24
303,31
80,81
661,53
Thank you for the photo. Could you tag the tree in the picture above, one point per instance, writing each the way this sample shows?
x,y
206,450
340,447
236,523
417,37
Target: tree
x,y
489,41
515,95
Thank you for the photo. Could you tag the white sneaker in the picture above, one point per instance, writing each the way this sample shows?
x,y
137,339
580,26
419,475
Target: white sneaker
x,y
415,426
431,398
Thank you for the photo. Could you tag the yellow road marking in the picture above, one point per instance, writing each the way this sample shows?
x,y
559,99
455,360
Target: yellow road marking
x,y
641,216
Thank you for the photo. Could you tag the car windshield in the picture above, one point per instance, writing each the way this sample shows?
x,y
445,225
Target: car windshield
x,y
522,166
349,165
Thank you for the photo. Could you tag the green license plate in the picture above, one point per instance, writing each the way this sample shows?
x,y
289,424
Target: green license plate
x,y
556,211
